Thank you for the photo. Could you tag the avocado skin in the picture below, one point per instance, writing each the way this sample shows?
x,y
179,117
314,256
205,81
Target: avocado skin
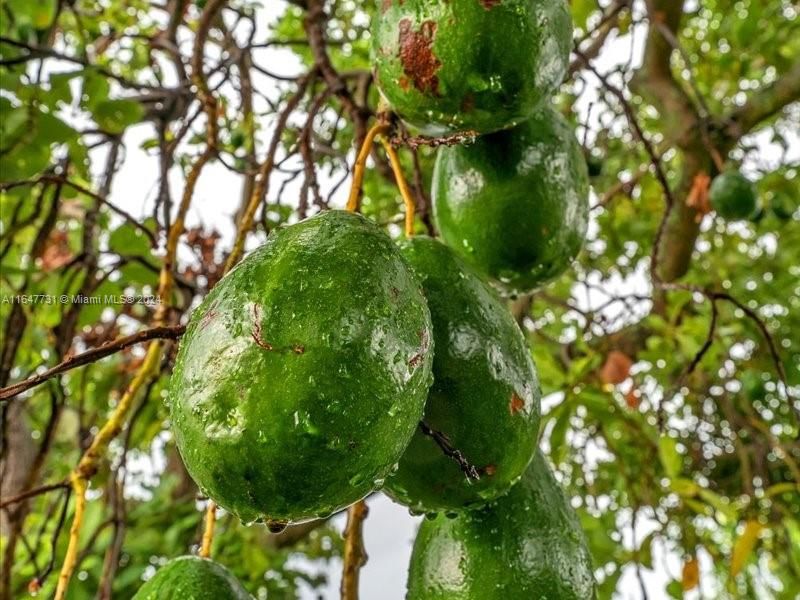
x,y
514,204
733,196
303,374
527,545
481,65
485,395
192,578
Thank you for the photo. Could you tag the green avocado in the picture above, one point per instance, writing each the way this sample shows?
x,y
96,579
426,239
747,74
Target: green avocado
x,y
303,374
527,545
192,578
485,396
733,196
481,65
515,203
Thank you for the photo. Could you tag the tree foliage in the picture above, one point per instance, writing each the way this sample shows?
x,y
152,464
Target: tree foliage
x,y
669,351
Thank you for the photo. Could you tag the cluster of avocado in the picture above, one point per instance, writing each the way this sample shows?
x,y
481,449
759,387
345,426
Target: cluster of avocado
x,y
332,362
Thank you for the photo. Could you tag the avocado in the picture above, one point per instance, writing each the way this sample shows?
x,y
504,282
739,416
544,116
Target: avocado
x,y
479,65
192,578
485,395
303,374
515,203
733,196
527,545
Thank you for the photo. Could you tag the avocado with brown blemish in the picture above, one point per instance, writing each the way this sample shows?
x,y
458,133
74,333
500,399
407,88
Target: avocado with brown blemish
x,y
485,396
480,65
303,374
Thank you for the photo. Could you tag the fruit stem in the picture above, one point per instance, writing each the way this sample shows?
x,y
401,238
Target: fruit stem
x,y
402,185
361,164
208,529
469,470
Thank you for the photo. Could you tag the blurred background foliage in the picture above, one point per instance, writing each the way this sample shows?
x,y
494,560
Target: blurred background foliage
x,y
701,461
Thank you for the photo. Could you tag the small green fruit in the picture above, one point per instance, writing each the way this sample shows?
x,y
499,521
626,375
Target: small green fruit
x,y
733,196
482,65
303,374
514,204
195,578
527,545
485,396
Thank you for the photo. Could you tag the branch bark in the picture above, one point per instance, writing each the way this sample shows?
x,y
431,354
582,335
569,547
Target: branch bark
x,y
355,556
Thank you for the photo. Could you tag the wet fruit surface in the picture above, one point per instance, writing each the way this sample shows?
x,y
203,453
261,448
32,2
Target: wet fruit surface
x,y
526,545
192,578
515,203
733,196
485,396
483,65
303,374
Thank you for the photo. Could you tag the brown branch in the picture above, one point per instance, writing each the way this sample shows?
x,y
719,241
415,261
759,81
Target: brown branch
x,y
156,333
315,22
604,28
355,556
265,170
414,142
6,502
35,52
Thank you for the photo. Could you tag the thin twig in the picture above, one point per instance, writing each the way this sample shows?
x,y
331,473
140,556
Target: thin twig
x,y
170,332
5,502
414,142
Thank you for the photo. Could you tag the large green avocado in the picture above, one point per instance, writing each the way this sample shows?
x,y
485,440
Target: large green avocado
x,y
733,196
515,203
192,578
528,545
303,374
485,396
482,65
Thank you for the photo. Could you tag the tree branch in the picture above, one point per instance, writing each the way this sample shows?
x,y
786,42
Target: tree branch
x,y
764,103
166,332
355,556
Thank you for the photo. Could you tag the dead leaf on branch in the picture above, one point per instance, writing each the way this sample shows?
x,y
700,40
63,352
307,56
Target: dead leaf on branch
x,y
57,252
698,195
690,576
616,369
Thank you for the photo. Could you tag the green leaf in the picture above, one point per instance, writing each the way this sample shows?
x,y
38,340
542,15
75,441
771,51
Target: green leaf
x,y
115,116
129,241
668,455
60,90
38,13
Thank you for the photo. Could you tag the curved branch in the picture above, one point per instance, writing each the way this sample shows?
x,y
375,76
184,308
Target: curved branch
x,y
764,103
